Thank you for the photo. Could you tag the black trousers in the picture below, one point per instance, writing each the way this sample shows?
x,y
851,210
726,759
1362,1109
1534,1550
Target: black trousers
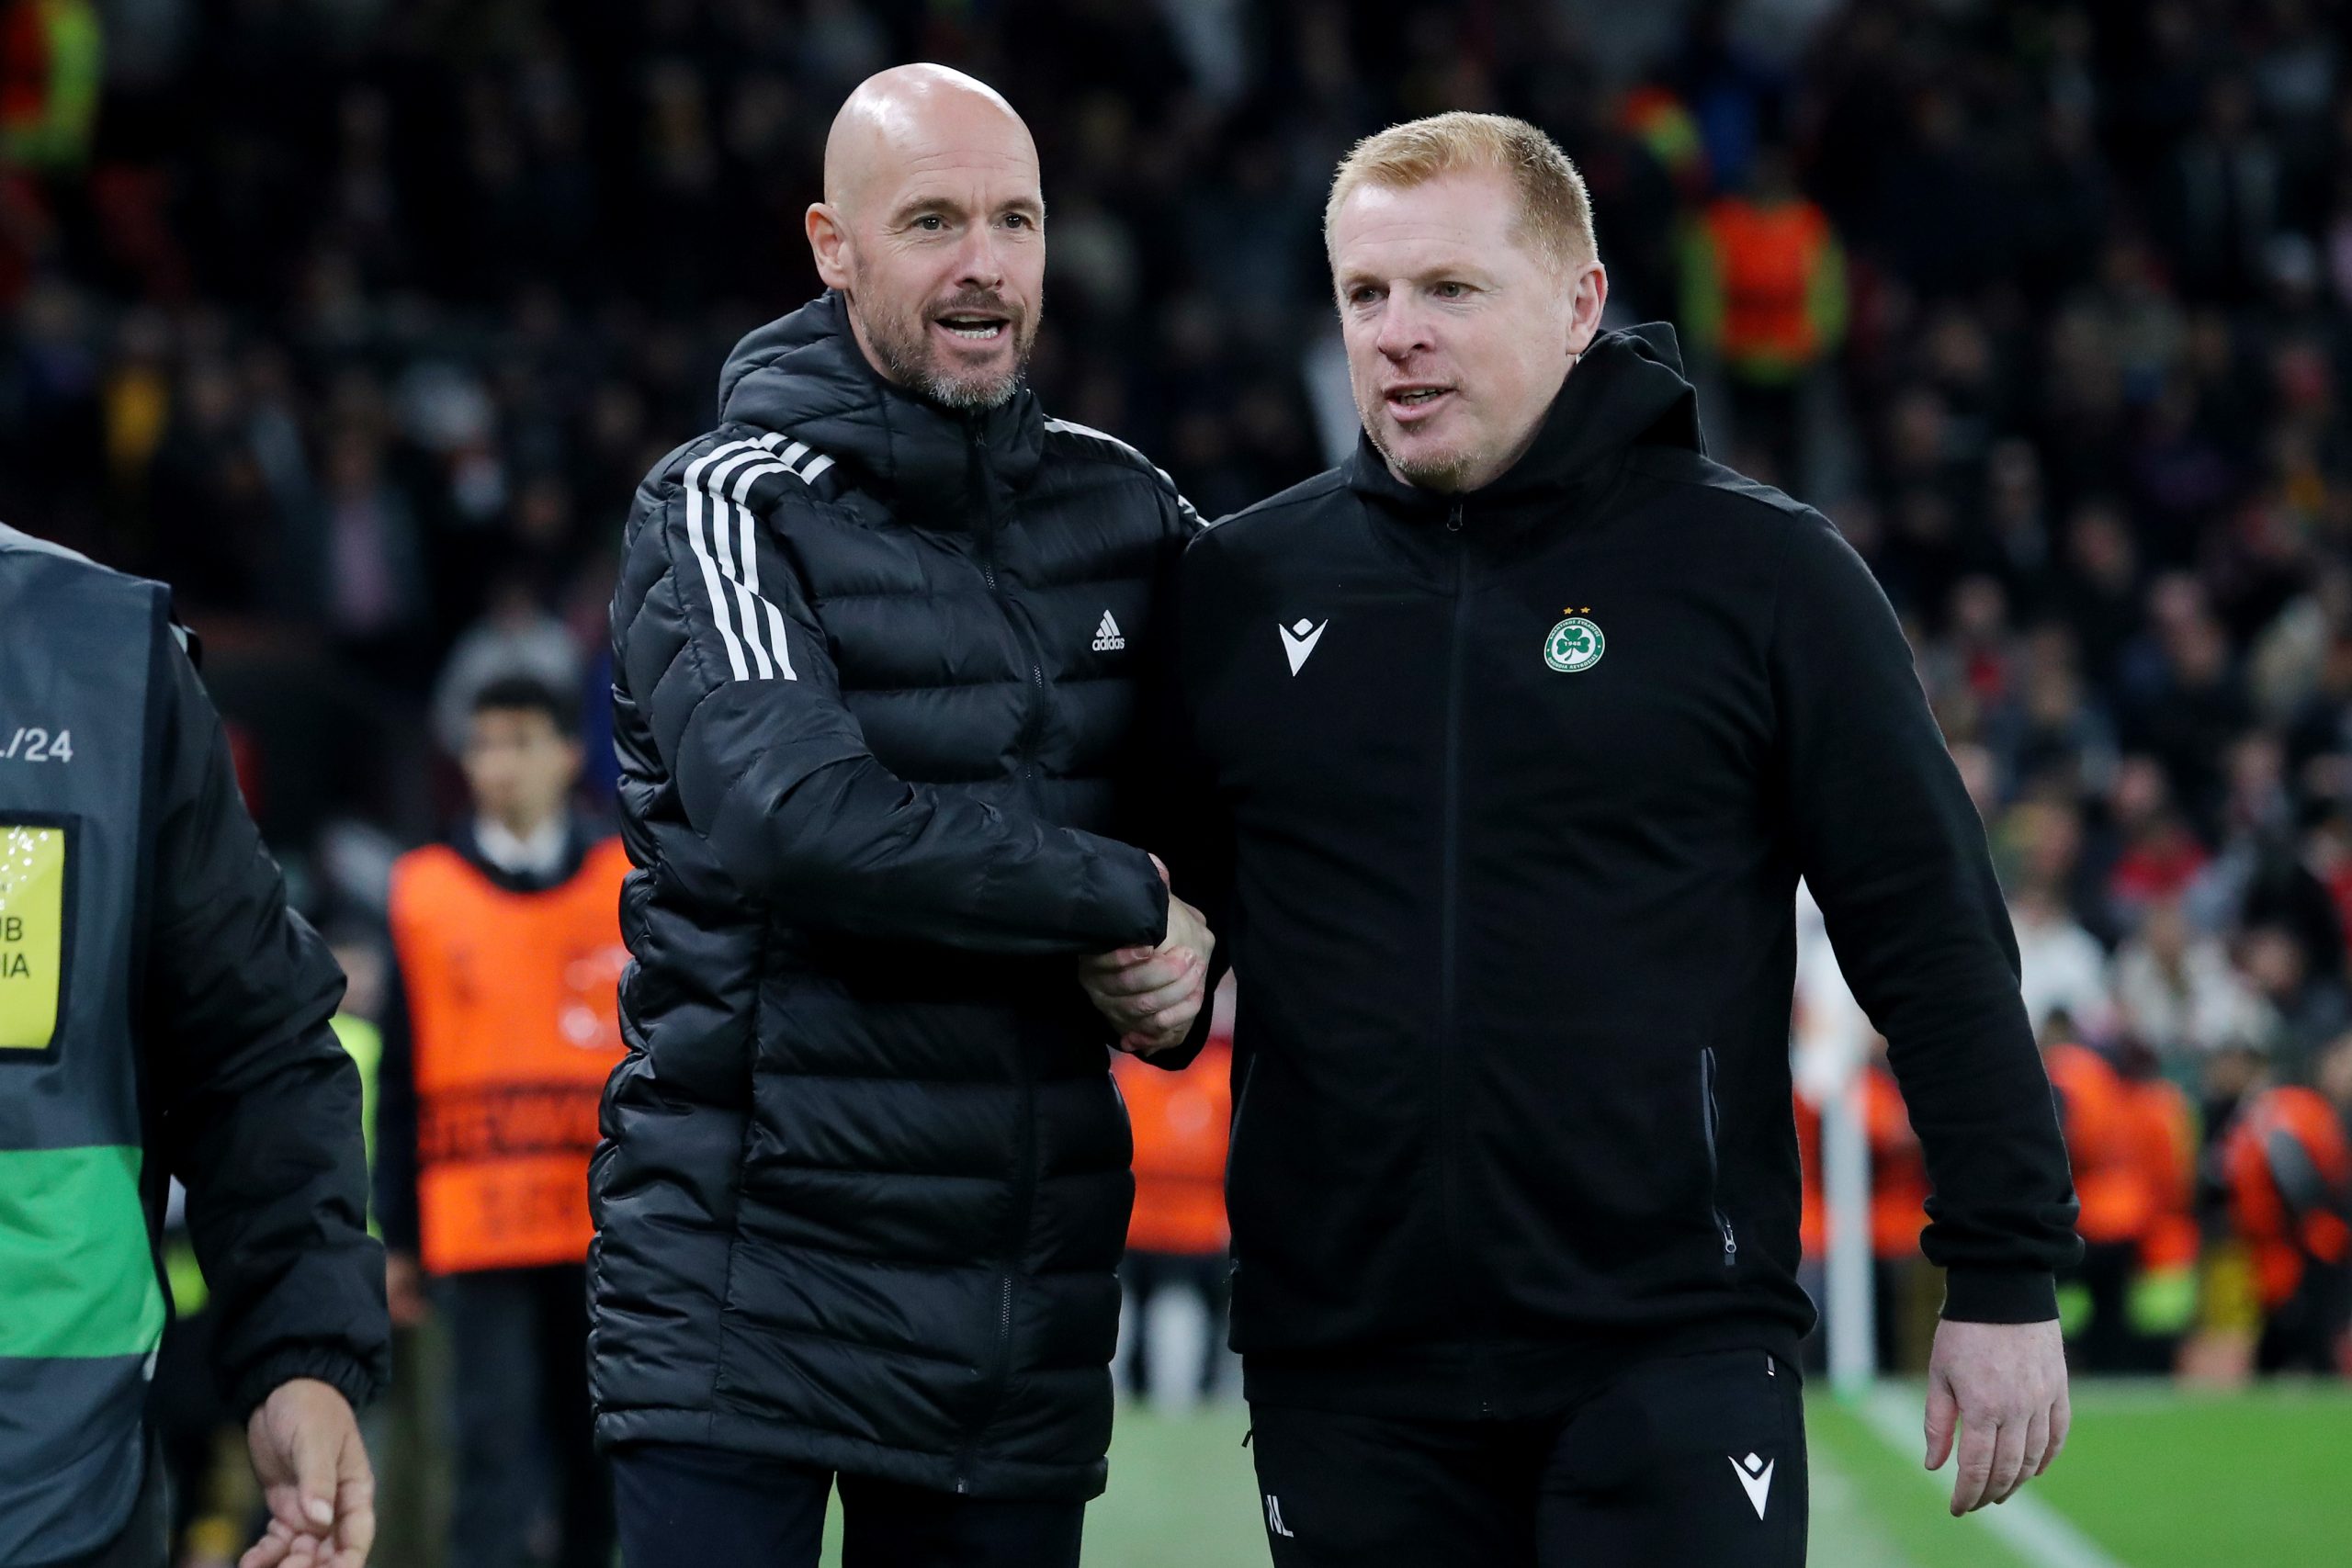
x,y
518,1343
689,1507
1679,1462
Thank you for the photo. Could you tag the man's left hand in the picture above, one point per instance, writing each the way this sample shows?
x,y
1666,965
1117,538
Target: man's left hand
x,y
2003,1386
314,1474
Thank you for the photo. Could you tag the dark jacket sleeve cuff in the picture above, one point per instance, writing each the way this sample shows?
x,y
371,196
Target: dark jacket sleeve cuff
x,y
340,1370
1126,901
2000,1295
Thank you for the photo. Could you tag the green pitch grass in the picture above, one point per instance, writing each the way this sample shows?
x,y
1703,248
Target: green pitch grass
x,y
2155,1478
1182,1495
2253,1480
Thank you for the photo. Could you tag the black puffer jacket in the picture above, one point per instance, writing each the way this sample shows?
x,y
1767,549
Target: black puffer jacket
x,y
877,672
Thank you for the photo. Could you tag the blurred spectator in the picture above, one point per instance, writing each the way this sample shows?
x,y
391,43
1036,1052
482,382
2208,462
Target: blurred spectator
x,y
2289,1167
2161,1136
2224,199
502,1026
2098,586
2177,992
2062,969
2152,853
1764,296
1907,1294
516,636
2306,1010
1173,1279
51,54
2120,1202
2052,737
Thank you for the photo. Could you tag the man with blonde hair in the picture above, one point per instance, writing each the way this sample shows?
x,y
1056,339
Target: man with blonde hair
x,y
1522,724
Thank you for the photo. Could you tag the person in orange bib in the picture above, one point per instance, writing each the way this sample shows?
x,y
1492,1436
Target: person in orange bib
x,y
2119,1202
1898,1213
2287,1162
1899,1209
2162,1136
1173,1279
1764,295
503,1028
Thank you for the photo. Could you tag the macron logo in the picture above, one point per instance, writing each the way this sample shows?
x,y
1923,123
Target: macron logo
x,y
1108,637
1299,641
1755,1479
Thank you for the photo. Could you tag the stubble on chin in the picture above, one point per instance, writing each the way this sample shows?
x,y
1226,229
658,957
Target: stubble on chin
x,y
911,359
1442,470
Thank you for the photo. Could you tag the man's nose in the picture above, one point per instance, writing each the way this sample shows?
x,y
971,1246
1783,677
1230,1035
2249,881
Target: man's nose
x,y
1402,328
981,263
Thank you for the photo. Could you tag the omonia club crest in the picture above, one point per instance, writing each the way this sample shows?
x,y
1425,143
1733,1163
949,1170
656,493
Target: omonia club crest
x,y
1576,644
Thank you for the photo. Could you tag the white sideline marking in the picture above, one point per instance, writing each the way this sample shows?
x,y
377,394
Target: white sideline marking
x,y
1843,1531
2026,1525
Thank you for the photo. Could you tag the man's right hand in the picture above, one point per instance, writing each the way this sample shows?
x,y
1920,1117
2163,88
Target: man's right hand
x,y
2002,1387
314,1475
404,1290
1153,994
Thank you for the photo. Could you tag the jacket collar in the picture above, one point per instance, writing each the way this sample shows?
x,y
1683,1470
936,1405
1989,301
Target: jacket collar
x,y
805,374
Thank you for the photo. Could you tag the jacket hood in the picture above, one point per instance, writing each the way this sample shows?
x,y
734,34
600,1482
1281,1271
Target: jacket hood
x,y
1628,389
805,374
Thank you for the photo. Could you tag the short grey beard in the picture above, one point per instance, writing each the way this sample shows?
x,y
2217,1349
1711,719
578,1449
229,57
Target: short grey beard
x,y
916,372
966,397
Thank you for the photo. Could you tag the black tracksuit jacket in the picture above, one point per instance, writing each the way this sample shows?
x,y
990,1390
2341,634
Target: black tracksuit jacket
x,y
1516,789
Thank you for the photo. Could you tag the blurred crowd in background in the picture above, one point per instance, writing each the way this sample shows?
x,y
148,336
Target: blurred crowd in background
x,y
358,321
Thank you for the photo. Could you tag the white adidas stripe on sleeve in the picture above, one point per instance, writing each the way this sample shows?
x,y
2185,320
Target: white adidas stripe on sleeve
x,y
753,626
709,565
724,535
749,587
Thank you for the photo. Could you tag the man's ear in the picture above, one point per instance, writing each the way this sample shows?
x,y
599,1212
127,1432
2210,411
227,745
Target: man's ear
x,y
829,243
1585,304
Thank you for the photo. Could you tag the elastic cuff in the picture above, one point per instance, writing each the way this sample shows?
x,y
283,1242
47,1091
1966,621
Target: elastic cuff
x,y
1140,923
338,1369
1160,899
2000,1295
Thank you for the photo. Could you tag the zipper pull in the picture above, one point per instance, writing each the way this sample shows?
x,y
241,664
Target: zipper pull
x,y
1454,518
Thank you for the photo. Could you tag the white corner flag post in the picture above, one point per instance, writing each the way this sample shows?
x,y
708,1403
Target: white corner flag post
x,y
1832,1040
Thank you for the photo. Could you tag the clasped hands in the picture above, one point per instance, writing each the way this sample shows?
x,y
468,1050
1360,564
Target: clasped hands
x,y
1153,995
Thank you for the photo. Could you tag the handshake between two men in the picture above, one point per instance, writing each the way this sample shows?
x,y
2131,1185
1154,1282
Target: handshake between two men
x,y
1153,995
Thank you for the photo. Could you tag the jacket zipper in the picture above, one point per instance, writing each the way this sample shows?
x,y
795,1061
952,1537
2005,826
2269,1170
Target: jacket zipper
x,y
1712,1117
1233,1147
1034,720
1450,1068
1024,1174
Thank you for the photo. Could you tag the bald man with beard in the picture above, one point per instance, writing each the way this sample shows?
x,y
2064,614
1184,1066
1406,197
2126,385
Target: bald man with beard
x,y
882,654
